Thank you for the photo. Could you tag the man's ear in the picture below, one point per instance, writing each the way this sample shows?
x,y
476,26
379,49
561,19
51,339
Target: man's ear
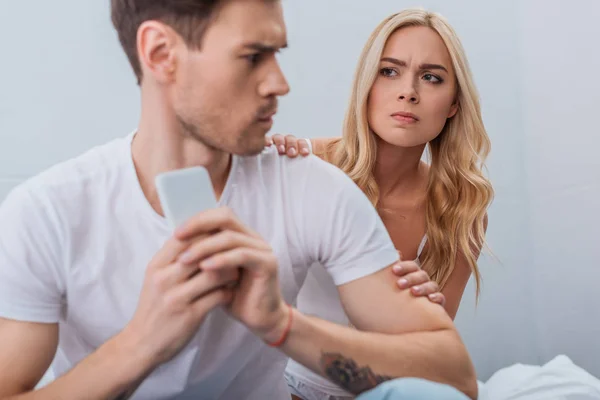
x,y
156,45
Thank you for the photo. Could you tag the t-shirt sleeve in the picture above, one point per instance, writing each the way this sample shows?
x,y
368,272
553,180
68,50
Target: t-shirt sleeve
x,y
30,279
342,229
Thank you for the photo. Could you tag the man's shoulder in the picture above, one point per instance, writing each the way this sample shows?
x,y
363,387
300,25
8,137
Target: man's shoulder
x,y
67,180
85,167
310,170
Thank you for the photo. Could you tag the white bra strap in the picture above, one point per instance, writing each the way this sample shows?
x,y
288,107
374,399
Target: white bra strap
x,y
310,148
422,245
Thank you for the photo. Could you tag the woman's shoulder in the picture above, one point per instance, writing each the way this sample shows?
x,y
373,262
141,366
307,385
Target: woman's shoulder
x,y
322,146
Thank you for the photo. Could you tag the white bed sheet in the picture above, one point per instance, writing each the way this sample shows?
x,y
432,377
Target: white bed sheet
x,y
559,379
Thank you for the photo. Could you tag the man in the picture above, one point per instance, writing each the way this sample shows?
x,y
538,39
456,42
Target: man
x,y
152,314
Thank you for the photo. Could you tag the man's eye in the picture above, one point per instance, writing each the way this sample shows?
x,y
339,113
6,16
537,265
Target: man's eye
x,y
253,58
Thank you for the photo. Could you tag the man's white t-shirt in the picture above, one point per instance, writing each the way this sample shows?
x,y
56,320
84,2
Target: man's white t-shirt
x,y
76,239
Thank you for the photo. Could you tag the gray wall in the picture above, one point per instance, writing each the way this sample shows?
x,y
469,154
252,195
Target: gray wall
x,y
65,86
561,100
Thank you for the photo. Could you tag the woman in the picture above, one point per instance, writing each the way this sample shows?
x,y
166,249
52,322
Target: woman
x,y
412,89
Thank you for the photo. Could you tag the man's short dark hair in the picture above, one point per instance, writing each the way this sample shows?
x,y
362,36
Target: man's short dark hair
x,y
189,18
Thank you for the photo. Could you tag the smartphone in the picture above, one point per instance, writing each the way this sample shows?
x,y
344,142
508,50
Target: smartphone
x,y
184,193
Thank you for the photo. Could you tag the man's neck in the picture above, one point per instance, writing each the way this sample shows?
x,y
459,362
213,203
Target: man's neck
x,y
161,145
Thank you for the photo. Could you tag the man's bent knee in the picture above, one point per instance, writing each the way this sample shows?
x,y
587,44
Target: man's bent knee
x,y
413,389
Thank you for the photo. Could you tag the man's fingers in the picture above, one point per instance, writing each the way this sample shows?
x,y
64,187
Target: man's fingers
x,y
204,304
168,253
241,257
173,274
203,283
218,243
211,221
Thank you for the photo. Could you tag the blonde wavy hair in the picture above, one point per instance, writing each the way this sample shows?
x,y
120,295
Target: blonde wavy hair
x,y
458,193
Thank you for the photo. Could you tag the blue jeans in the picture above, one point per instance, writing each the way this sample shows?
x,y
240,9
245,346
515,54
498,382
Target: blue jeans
x,y
412,389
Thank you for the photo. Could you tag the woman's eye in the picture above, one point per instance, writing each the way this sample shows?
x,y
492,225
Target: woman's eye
x,y
388,72
432,78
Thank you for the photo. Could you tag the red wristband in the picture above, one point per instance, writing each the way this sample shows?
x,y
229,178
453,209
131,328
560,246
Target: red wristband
x,y
286,332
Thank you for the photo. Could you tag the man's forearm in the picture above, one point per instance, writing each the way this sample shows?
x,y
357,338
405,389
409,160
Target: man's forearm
x,y
113,372
358,361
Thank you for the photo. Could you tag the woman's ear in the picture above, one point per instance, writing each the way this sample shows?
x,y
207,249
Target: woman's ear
x,y
453,109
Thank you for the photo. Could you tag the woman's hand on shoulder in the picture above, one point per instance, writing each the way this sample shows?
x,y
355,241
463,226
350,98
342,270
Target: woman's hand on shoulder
x,y
288,145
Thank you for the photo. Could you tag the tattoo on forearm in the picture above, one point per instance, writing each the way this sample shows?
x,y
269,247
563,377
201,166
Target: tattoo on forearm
x,y
348,375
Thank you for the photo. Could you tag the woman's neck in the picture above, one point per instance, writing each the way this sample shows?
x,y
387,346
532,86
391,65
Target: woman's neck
x,y
398,168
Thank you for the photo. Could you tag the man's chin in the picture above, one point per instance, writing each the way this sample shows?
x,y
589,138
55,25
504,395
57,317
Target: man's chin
x,y
251,151
251,146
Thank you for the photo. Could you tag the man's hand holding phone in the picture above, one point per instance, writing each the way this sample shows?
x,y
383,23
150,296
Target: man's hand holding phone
x,y
257,301
175,299
212,260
